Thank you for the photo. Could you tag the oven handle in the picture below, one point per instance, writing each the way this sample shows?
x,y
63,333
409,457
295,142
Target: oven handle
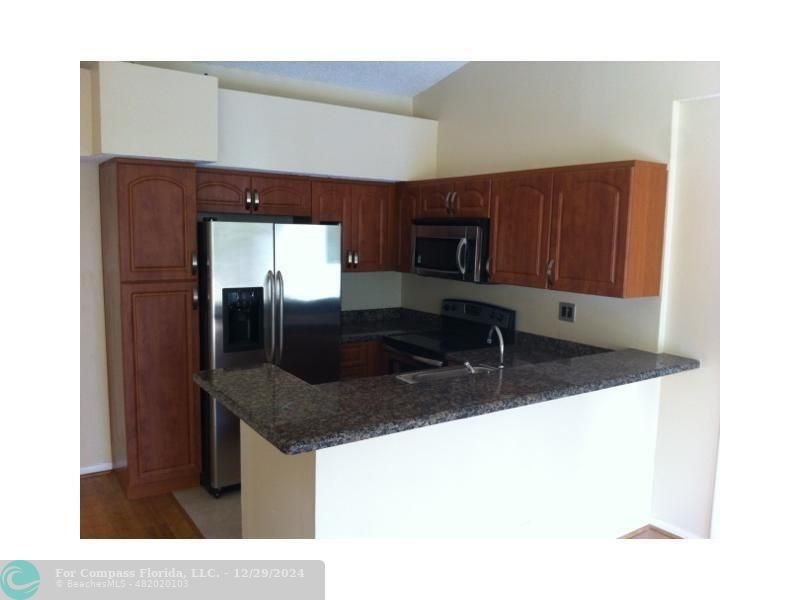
x,y
420,359
462,245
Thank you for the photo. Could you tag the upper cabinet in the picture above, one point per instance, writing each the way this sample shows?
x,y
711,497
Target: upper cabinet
x,y
520,229
407,198
454,198
153,205
367,213
237,192
593,230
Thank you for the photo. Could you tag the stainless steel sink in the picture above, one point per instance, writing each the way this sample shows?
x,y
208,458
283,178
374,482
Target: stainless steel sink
x,y
444,373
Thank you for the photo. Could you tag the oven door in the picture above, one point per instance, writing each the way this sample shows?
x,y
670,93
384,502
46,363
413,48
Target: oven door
x,y
398,361
449,251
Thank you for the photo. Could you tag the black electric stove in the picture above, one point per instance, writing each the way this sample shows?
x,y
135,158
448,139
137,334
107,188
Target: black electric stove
x,y
465,326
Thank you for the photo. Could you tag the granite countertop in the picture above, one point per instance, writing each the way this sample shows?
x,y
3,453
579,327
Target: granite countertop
x,y
298,417
365,325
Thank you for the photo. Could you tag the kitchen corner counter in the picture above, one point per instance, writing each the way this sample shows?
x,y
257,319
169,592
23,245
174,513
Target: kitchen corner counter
x,y
297,417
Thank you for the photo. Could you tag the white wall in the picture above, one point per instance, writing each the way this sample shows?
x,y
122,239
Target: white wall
x,y
688,431
95,436
371,290
276,85
154,113
576,467
296,136
87,134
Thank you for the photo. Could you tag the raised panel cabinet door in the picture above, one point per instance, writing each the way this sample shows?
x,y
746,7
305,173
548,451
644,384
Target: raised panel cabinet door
x,y
222,191
160,354
330,202
520,229
588,231
157,221
472,198
370,227
282,196
407,198
433,200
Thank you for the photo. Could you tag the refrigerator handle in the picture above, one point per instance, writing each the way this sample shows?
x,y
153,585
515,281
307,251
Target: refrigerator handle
x,y
279,278
269,341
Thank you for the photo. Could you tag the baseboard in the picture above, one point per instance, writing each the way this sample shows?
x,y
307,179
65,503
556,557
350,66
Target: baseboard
x,y
669,527
98,468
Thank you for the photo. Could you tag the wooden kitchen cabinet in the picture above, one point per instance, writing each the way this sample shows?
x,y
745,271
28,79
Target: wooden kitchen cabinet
x,y
245,193
467,198
367,214
520,229
154,213
362,359
148,223
161,402
407,199
607,230
597,229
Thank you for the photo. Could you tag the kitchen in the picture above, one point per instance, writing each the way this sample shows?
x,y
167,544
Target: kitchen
x,y
564,288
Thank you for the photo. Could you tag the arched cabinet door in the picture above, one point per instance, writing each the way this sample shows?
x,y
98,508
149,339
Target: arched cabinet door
x,y
588,231
156,211
471,198
282,196
223,191
520,229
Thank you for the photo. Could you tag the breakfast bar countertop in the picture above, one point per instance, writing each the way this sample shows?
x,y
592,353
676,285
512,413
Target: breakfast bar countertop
x,y
296,417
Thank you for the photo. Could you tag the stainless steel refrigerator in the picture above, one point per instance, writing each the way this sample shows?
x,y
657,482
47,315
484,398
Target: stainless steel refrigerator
x,y
271,293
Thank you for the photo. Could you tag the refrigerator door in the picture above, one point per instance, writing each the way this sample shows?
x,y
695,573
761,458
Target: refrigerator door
x,y
238,259
308,289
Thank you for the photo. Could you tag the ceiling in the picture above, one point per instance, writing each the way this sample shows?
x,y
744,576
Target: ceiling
x,y
397,78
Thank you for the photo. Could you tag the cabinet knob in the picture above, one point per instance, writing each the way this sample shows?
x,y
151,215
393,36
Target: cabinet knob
x,y
549,275
247,199
355,258
349,258
256,200
195,298
194,262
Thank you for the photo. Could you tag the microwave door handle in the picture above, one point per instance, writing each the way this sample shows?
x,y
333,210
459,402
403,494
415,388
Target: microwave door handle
x,y
462,266
269,339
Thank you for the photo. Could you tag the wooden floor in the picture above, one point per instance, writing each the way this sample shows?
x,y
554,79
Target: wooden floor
x,y
107,513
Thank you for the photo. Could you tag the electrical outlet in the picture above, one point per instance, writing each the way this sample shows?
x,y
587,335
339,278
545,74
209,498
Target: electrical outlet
x,y
566,311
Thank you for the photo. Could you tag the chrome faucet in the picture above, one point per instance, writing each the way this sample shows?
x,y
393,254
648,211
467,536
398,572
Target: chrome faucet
x,y
500,338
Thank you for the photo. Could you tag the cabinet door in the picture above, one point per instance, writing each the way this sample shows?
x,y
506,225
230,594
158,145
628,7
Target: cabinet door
x,y
157,221
472,198
222,191
362,359
371,222
160,354
330,202
588,231
520,229
282,196
433,199
407,198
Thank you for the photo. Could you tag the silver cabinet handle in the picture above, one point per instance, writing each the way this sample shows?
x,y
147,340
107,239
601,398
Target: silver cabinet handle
x,y
355,258
279,357
549,275
349,257
256,200
462,245
269,348
195,298
247,199
453,203
194,262
447,202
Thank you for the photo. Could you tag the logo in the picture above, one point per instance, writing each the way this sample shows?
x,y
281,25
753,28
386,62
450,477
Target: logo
x,y
19,579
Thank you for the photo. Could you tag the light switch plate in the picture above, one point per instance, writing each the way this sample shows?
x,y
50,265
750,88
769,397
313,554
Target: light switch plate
x,y
566,311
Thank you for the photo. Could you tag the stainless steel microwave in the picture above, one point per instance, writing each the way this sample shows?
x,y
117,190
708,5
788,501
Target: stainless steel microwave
x,y
451,249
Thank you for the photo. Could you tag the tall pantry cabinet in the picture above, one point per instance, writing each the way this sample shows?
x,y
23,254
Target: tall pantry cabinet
x,y
149,232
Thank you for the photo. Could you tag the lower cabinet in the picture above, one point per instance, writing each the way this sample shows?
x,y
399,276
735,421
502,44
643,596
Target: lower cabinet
x,y
362,359
160,402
